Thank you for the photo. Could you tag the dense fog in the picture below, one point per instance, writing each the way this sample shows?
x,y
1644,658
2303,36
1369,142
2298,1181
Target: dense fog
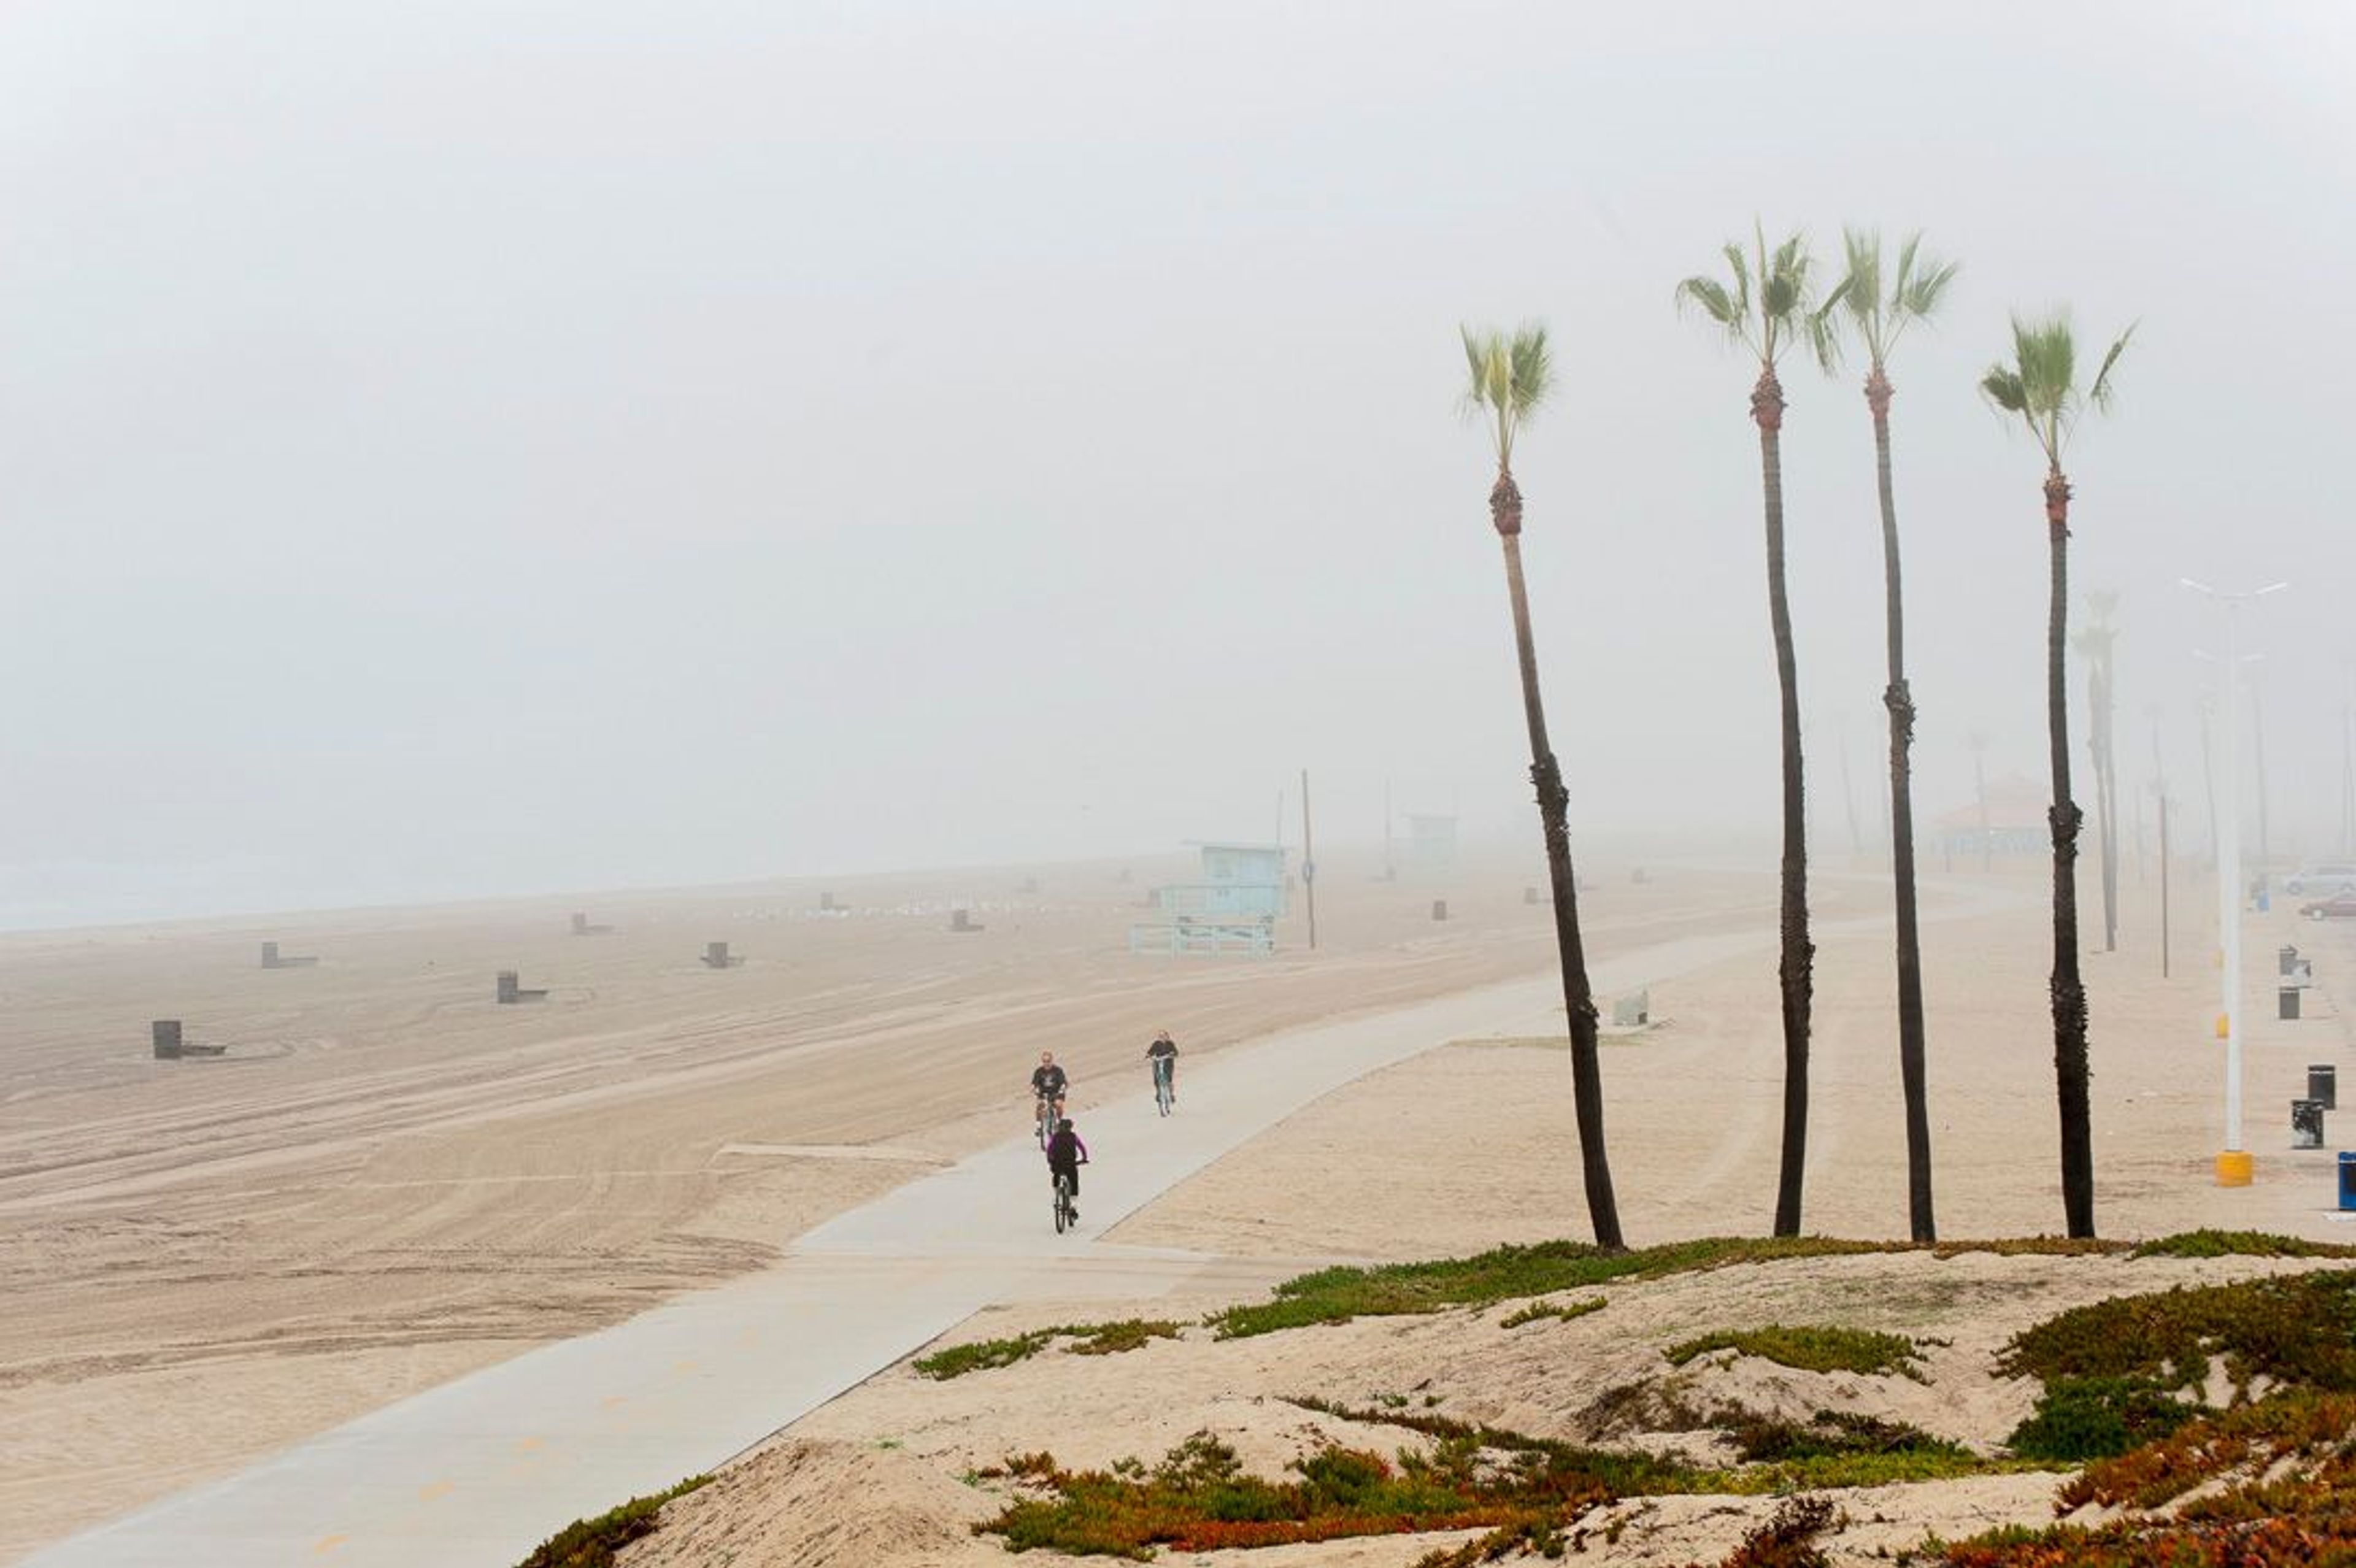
x,y
470,449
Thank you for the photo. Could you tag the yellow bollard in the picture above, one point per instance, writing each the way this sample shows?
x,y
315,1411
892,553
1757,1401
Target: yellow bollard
x,y
2234,1168
2224,1026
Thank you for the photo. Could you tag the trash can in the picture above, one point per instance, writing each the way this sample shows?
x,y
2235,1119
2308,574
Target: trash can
x,y
2286,961
2286,1002
2306,1124
2346,1180
2323,1084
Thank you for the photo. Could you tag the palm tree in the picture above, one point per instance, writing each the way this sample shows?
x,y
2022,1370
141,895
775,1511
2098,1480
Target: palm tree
x,y
1511,377
1881,316
2095,643
2040,385
1765,305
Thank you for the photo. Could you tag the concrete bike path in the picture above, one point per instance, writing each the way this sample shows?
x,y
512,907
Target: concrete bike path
x,y
476,1472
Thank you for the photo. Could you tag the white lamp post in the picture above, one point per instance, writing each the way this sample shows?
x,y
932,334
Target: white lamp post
x,y
2234,1163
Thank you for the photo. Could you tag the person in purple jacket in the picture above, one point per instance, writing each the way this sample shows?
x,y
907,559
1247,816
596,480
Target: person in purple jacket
x,y
1065,1155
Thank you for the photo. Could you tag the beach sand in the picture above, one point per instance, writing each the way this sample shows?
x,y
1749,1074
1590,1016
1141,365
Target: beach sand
x,y
388,1180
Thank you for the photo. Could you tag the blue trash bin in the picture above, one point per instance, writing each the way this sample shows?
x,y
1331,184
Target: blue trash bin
x,y
2346,1180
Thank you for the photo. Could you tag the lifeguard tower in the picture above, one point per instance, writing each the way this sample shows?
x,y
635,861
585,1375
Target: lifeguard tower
x,y
1430,848
1233,909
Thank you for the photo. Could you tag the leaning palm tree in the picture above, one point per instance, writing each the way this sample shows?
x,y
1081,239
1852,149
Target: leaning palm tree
x,y
2040,386
1765,305
1511,377
1880,310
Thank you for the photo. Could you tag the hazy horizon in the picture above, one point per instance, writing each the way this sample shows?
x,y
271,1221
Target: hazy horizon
x,y
468,451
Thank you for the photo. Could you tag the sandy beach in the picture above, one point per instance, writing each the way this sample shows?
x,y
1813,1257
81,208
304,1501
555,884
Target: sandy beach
x,y
388,1180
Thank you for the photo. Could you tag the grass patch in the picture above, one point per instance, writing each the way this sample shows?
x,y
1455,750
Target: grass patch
x,y
1200,1498
1111,1339
2240,1244
1087,1340
1566,1312
2125,1372
1503,1274
983,1355
2286,1494
592,1542
1809,1348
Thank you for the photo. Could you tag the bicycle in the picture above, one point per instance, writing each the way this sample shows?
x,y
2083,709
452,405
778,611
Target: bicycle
x,y
1165,1091
1066,1210
1044,1119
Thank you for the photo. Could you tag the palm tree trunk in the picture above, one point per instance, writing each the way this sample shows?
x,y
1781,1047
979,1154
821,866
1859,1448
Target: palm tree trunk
x,y
2068,991
1554,808
1899,700
1794,972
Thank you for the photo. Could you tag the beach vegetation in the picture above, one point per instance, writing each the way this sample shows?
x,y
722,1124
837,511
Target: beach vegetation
x,y
593,1542
1809,1348
1086,1339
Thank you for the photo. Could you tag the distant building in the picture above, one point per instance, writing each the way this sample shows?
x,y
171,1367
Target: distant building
x,y
1232,909
2017,822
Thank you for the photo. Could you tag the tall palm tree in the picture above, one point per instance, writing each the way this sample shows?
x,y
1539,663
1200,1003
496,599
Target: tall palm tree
x,y
2039,384
2096,643
1510,376
1880,310
1766,304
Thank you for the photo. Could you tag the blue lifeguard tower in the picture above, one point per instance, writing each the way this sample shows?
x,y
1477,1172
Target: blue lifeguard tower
x,y
1233,909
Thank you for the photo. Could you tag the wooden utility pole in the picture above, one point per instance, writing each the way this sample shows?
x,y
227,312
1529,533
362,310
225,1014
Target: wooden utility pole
x,y
1308,861
2163,884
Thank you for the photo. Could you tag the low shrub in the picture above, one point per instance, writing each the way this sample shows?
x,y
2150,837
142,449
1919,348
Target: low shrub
x,y
592,1542
1087,1340
1788,1540
2239,1245
1809,1348
1536,1310
1112,1338
983,1355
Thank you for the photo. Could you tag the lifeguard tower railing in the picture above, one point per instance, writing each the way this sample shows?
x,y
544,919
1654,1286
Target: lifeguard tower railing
x,y
1206,936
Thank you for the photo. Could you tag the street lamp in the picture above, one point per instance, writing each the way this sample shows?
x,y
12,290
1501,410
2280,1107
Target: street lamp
x,y
2234,1163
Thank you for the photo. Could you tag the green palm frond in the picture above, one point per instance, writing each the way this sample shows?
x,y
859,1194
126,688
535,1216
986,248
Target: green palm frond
x,y
1770,300
1511,375
2101,395
1914,292
2041,383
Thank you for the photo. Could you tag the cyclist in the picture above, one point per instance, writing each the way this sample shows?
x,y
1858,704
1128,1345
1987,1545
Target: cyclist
x,y
1161,1056
1065,1155
1047,1085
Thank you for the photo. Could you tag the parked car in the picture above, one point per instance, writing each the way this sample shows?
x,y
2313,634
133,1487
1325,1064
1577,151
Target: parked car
x,y
2339,906
2334,877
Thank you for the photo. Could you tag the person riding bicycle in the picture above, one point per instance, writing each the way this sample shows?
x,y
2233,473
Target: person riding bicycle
x,y
1048,1082
1065,1155
1161,1056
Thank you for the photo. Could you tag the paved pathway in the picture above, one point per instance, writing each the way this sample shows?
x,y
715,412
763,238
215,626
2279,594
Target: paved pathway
x,y
476,1472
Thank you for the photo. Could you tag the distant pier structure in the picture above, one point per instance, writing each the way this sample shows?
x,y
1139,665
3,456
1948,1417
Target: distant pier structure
x,y
1232,909
274,959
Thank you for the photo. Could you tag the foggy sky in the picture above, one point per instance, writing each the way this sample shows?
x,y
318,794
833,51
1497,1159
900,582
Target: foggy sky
x,y
475,448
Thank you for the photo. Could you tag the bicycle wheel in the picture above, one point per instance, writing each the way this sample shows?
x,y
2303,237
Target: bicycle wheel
x,y
1063,1203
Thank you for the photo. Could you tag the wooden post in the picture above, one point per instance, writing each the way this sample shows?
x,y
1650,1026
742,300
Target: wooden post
x,y
1308,861
166,1033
